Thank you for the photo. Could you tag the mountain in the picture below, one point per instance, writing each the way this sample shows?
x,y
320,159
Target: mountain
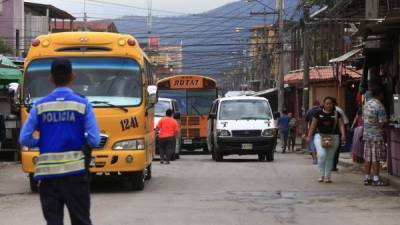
x,y
212,42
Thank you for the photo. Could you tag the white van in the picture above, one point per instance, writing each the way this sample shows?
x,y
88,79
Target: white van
x,y
241,125
160,108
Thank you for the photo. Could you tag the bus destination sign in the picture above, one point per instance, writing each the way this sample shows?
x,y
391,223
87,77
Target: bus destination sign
x,y
186,82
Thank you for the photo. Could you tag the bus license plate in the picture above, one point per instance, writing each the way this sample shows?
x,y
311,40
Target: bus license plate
x,y
187,141
247,146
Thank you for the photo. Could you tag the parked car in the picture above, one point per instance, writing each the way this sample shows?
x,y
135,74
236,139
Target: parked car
x,y
241,125
160,108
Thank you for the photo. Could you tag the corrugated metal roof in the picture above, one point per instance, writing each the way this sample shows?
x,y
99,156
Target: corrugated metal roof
x,y
323,73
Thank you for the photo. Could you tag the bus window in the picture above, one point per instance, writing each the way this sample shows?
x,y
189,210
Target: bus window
x,y
114,80
199,101
178,95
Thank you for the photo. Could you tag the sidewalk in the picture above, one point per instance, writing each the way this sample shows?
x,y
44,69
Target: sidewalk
x,y
346,161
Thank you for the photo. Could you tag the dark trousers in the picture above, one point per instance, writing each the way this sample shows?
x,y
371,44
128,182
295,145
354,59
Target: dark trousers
x,y
72,191
166,148
336,159
284,139
292,139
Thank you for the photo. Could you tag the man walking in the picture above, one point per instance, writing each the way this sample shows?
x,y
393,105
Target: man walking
x,y
283,123
374,116
66,124
309,116
168,129
292,131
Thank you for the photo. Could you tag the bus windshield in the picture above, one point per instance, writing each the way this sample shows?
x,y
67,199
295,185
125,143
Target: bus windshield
x,y
100,79
191,102
245,110
161,108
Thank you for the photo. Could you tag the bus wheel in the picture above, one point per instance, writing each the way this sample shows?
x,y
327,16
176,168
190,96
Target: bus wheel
x,y
261,156
136,180
270,155
33,183
148,172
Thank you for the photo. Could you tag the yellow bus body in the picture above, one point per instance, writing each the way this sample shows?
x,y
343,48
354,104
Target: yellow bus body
x,y
193,127
107,160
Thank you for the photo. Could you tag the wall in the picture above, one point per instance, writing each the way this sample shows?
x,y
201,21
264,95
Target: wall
x,y
318,91
12,19
35,25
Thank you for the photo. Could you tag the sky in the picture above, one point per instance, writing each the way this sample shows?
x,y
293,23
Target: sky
x,y
101,9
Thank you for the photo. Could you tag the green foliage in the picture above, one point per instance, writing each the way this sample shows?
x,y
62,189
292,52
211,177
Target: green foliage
x,y
4,47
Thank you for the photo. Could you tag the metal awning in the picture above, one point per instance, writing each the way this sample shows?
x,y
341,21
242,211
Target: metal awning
x,y
345,56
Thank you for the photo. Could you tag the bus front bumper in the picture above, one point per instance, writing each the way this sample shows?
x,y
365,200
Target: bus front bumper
x,y
103,161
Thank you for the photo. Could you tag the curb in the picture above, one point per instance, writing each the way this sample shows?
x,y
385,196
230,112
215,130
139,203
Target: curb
x,y
393,181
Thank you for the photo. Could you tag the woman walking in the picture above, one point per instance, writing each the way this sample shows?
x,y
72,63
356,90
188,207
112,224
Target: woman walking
x,y
357,147
328,124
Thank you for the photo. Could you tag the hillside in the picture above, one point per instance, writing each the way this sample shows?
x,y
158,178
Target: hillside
x,y
210,40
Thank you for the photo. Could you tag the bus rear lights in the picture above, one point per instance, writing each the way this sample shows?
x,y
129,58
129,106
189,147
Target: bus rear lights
x,y
131,42
46,43
35,43
129,159
121,42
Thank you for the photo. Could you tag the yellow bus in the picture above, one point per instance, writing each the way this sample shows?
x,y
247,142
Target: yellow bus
x,y
114,74
195,95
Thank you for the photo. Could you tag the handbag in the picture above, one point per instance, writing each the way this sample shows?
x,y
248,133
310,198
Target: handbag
x,y
327,139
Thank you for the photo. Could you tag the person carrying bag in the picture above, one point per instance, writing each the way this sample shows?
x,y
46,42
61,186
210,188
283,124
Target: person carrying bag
x,y
327,122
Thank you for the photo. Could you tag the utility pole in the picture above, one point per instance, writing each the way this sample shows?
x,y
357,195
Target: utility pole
x,y
265,79
281,80
84,15
149,16
306,56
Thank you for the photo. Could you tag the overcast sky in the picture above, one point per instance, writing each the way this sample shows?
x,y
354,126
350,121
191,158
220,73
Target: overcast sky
x,y
97,9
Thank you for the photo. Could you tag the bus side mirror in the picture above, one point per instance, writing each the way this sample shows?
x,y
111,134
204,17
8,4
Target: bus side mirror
x,y
177,115
212,115
152,93
13,97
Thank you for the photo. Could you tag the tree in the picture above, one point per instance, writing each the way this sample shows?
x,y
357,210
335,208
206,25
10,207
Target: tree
x,y
4,47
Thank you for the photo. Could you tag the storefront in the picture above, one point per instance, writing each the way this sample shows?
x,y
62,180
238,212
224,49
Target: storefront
x,y
381,68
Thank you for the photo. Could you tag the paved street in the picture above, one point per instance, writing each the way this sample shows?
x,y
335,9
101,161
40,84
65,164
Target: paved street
x,y
197,190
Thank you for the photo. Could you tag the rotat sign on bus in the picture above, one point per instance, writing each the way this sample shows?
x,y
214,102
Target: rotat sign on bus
x,y
186,82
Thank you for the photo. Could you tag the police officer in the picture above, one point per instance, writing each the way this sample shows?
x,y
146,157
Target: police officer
x,y
66,123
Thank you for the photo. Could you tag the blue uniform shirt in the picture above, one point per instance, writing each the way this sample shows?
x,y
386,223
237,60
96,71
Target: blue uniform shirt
x,y
59,131
284,122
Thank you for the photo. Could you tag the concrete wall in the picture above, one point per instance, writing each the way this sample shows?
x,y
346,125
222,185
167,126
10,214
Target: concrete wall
x,y
11,20
35,25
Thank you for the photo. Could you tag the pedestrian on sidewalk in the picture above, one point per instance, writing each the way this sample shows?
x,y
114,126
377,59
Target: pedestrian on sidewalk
x,y
292,132
357,147
308,119
328,124
283,124
342,146
375,119
168,129
61,168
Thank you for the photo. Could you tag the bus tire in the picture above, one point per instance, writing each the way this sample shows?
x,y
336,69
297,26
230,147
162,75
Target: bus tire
x,y
270,155
33,183
136,180
148,172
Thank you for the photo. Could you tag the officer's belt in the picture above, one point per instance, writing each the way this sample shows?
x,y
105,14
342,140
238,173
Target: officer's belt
x,y
60,163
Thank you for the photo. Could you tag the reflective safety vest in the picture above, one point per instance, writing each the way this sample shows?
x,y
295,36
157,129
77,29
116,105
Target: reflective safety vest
x,y
61,119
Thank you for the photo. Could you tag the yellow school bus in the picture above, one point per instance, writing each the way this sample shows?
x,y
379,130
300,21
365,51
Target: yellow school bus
x,y
195,95
114,74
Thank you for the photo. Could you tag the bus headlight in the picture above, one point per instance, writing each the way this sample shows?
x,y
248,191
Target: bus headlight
x,y
223,133
268,133
134,144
